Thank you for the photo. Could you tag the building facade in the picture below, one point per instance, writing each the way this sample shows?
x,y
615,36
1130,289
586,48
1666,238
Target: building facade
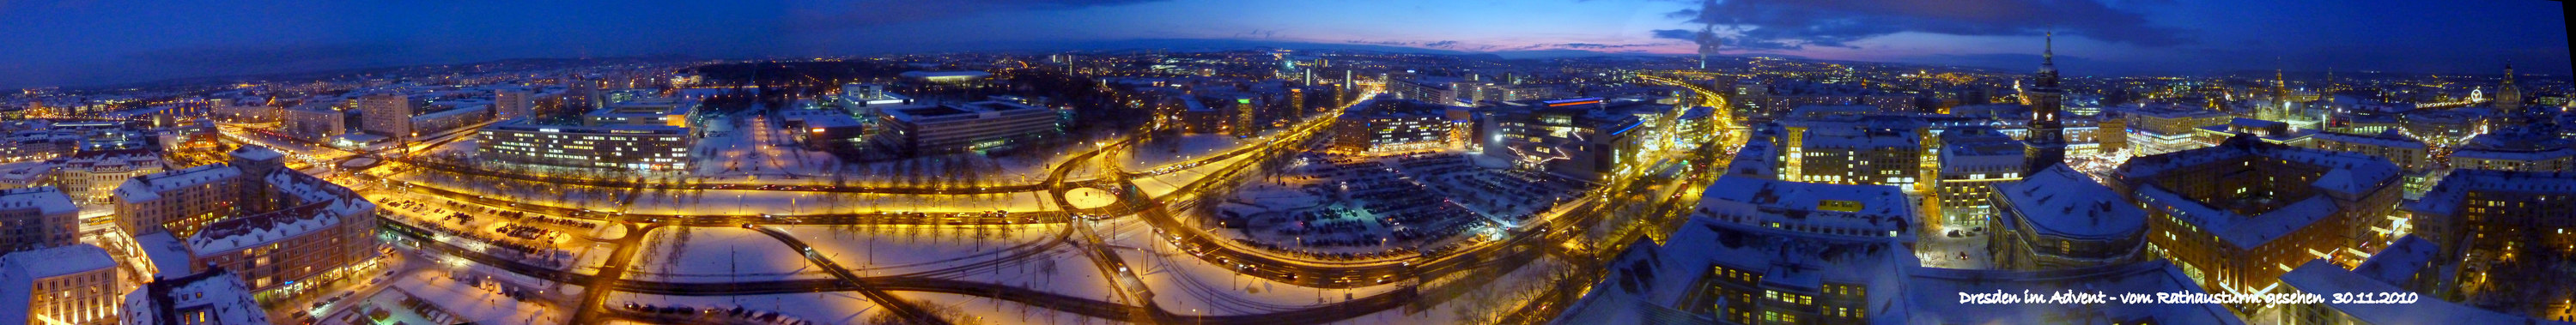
x,y
2237,215
178,200
37,217
389,115
966,127
631,147
69,284
91,176
1392,126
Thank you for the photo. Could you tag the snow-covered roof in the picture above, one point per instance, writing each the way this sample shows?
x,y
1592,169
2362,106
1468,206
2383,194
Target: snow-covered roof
x,y
1817,139
1936,295
1649,276
261,229
2063,203
47,200
2348,175
2400,261
150,187
166,254
2446,197
2327,279
257,152
2237,229
57,261
2491,154
219,292
2392,139
1861,211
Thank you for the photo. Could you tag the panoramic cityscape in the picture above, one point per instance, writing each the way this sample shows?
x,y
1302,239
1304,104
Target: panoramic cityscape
x,y
1288,162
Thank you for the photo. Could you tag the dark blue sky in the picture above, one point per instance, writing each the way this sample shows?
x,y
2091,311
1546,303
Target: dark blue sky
x,y
52,42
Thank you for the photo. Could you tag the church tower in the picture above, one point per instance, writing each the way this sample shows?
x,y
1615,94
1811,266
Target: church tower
x,y
2047,140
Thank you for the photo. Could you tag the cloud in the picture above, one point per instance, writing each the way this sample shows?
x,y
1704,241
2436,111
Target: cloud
x,y
1387,43
1795,24
1440,44
1580,46
1679,34
881,12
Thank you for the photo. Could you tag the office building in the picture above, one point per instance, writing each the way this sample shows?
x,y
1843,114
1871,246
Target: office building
x,y
1390,126
1576,138
653,134
966,127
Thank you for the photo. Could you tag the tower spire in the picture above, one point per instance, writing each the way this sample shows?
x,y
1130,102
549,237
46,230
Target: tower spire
x,y
2048,59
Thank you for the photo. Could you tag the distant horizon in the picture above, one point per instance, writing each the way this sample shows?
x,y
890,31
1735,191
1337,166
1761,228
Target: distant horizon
x,y
109,42
1506,55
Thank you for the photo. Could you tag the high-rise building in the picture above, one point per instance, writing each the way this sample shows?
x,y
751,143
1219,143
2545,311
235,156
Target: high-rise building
x,y
510,103
318,122
388,115
2047,139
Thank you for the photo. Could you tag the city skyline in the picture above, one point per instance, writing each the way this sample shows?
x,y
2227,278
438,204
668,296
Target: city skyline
x,y
103,43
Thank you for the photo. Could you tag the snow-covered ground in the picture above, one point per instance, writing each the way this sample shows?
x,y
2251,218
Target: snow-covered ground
x,y
470,302
980,310
1480,305
1184,284
892,250
1026,256
842,307
718,254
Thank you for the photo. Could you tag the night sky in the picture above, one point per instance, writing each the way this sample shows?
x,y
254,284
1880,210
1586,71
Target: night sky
x,y
78,43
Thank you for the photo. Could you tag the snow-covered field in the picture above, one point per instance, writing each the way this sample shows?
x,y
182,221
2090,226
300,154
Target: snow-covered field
x,y
820,308
1184,284
718,254
470,302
